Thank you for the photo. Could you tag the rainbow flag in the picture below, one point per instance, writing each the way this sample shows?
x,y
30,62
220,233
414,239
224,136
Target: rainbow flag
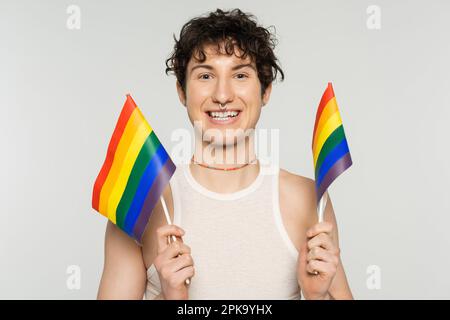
x,y
330,149
136,170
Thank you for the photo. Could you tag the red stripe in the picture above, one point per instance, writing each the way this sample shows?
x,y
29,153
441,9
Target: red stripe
x,y
327,96
125,114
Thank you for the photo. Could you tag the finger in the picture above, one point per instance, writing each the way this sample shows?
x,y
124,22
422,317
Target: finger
x,y
319,253
166,231
321,240
321,267
174,250
183,274
322,227
165,234
177,238
181,262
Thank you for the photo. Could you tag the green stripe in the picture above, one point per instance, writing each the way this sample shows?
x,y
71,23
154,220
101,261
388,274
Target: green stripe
x,y
333,140
145,155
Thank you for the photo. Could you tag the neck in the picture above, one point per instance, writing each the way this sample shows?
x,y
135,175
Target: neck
x,y
225,157
225,181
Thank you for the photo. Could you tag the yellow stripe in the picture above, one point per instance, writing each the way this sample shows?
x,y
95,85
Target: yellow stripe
x,y
124,143
124,173
332,123
327,112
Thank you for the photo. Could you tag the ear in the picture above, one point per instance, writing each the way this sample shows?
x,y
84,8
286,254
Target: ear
x,y
266,95
181,94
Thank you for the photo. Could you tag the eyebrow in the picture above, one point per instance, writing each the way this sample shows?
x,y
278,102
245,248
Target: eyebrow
x,y
236,67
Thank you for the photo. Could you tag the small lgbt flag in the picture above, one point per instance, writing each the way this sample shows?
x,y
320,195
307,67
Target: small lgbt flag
x,y
330,150
136,170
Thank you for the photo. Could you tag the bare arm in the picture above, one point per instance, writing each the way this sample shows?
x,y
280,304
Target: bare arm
x,y
124,273
321,253
302,211
321,273
339,288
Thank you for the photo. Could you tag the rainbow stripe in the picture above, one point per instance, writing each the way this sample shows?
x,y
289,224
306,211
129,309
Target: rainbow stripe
x,y
330,149
136,170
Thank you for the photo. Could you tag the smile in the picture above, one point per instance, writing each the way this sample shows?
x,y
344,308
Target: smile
x,y
223,117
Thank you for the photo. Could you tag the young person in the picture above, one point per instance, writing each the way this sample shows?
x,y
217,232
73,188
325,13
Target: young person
x,y
244,229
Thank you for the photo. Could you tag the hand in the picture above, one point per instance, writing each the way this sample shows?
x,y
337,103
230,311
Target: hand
x,y
318,262
173,263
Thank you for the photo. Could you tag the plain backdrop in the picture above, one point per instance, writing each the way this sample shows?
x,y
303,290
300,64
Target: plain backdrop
x,y
61,91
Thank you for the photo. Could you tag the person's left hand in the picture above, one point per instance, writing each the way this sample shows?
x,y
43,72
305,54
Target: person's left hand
x,y
318,262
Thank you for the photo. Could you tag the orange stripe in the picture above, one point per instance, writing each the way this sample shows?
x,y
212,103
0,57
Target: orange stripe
x,y
326,114
327,96
125,114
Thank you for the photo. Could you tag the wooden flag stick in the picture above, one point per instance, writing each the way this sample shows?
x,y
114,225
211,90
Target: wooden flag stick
x,y
321,206
166,213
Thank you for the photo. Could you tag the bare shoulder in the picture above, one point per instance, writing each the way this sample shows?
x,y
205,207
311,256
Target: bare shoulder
x,y
291,183
298,192
297,204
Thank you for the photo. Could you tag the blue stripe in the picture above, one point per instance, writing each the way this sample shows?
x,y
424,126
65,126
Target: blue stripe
x,y
146,182
338,152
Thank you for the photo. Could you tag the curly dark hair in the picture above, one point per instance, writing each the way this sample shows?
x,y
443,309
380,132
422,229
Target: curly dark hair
x,y
229,28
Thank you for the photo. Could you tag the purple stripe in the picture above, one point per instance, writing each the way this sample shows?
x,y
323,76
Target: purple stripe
x,y
152,198
340,166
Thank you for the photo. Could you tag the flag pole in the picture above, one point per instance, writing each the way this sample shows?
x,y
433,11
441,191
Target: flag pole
x,y
321,206
166,213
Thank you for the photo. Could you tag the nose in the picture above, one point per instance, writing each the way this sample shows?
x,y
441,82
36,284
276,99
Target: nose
x,y
223,92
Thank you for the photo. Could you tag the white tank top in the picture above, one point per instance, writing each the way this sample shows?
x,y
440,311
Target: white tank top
x,y
240,247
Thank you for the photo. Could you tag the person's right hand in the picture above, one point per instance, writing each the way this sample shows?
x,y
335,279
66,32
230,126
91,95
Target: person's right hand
x,y
173,263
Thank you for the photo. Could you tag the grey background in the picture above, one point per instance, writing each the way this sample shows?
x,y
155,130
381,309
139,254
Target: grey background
x,y
61,91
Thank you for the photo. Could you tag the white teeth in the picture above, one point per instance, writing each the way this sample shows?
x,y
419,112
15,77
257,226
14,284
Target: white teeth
x,y
224,115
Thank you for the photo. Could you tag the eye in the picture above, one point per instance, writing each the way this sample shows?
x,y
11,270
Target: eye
x,y
205,76
241,76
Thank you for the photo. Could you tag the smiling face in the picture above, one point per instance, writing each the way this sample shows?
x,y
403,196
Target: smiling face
x,y
228,80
